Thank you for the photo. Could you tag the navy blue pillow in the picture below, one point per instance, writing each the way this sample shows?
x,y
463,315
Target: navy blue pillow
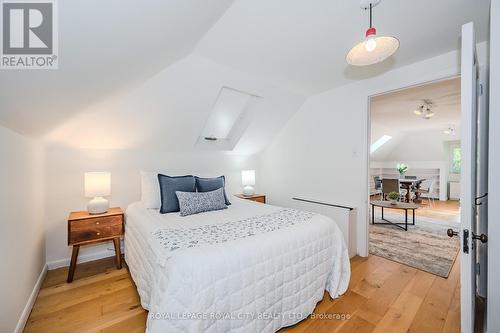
x,y
211,184
168,186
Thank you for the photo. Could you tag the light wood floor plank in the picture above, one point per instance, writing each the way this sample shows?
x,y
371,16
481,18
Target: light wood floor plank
x,y
383,296
452,322
400,315
372,282
356,325
432,314
96,290
379,303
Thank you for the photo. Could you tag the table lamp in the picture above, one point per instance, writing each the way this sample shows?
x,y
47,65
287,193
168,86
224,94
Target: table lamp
x,y
248,181
97,186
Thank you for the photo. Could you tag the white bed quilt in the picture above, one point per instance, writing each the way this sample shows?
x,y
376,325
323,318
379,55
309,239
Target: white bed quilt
x,y
249,268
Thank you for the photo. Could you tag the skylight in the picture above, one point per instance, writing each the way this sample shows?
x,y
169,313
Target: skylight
x,y
228,108
231,114
379,143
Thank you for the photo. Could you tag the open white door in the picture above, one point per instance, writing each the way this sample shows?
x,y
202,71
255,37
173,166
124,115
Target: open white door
x,y
469,88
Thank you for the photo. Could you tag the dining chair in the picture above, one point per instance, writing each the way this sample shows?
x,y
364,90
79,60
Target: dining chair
x,y
427,187
378,185
390,185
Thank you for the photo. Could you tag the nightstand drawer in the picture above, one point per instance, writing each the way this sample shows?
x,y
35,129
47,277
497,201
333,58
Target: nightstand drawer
x,y
95,228
94,233
255,197
261,199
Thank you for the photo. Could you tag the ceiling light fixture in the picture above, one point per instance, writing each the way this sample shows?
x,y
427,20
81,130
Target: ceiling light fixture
x,y
428,113
373,49
424,110
450,130
419,111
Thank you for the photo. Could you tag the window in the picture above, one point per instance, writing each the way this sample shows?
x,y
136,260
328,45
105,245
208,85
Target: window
x,y
230,106
379,143
455,157
231,114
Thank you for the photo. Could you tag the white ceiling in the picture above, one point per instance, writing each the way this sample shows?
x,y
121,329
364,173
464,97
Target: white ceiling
x,y
394,110
145,74
302,44
105,47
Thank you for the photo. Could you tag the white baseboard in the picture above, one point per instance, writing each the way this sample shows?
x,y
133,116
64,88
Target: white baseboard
x,y
82,258
31,301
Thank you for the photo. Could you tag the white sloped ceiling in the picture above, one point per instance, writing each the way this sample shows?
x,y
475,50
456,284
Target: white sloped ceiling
x,y
169,111
145,74
105,47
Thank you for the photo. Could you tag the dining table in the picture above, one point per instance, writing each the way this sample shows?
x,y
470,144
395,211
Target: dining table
x,y
408,185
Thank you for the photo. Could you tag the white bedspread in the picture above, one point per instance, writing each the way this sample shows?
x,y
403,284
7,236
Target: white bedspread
x,y
258,283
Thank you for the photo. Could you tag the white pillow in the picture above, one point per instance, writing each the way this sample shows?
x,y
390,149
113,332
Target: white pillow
x,y
150,190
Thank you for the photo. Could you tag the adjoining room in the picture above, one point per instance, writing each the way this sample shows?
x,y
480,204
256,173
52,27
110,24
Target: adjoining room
x,y
415,162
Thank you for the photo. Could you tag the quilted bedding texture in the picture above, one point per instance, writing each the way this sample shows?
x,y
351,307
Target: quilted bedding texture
x,y
252,284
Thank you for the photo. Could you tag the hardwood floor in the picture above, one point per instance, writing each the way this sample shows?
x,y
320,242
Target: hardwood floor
x,y
383,296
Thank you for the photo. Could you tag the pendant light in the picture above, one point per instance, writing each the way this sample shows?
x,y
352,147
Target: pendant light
x,y
373,49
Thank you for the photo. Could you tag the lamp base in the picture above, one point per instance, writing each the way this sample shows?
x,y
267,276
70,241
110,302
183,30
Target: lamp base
x,y
248,190
98,205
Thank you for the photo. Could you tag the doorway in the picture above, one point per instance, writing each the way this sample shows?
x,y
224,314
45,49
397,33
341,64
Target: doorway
x,y
414,175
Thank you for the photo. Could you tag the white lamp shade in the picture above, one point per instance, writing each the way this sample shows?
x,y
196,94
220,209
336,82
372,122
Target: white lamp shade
x,y
378,49
248,177
97,184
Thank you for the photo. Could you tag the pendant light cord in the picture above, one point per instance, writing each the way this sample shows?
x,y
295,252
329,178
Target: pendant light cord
x,y
370,15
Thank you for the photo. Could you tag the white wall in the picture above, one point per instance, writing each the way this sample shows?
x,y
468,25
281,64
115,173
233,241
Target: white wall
x,y
427,145
493,320
22,242
322,150
64,188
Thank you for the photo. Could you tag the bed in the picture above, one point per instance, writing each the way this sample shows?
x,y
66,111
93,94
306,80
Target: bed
x,y
249,268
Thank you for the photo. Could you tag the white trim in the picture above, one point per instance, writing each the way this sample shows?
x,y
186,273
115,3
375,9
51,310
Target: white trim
x,y
493,305
83,258
31,301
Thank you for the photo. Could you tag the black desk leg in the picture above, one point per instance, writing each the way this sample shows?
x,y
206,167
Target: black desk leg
x,y
382,212
406,219
413,216
373,214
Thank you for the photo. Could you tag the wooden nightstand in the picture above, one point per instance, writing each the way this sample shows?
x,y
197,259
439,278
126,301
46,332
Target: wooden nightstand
x,y
84,228
255,197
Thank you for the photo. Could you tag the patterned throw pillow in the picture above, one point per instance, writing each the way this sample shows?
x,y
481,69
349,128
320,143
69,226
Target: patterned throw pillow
x,y
197,202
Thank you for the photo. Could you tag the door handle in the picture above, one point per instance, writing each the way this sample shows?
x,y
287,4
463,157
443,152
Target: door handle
x,y
483,238
451,233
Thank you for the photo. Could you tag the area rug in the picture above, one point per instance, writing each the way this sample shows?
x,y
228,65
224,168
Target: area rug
x,y
425,246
